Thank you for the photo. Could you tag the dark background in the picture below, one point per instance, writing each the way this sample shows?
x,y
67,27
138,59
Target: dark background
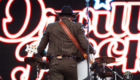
x,y
18,12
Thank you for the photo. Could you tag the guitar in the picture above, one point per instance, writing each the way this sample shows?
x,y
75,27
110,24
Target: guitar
x,y
81,66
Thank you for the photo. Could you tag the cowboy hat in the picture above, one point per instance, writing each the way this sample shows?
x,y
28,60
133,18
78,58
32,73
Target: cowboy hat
x,y
66,10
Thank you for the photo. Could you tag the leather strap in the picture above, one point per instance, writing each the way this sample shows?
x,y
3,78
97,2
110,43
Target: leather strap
x,y
70,35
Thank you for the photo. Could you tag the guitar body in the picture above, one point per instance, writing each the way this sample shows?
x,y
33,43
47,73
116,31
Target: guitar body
x,y
82,68
83,72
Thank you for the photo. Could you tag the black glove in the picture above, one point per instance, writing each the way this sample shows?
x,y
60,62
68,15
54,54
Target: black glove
x,y
94,66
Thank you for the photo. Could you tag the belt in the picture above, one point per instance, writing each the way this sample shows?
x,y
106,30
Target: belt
x,y
63,56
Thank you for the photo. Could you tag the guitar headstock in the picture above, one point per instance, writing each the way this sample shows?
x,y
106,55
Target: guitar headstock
x,y
31,49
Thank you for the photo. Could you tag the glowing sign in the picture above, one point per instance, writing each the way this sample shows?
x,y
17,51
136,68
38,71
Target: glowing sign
x,y
98,4
113,42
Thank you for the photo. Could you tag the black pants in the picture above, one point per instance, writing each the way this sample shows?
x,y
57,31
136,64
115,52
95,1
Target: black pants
x,y
65,69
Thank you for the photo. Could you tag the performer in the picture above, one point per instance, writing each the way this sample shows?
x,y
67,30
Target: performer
x,y
62,51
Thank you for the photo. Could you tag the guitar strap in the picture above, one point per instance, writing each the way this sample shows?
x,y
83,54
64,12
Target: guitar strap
x,y
67,31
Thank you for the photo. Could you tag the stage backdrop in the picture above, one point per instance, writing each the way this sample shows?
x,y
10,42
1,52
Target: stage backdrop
x,y
114,32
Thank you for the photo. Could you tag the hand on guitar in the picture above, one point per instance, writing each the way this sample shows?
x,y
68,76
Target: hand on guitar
x,y
94,66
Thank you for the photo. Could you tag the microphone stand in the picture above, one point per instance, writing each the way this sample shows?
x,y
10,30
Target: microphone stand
x,y
87,4
37,68
115,73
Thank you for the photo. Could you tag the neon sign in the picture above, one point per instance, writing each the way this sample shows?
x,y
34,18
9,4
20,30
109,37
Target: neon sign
x,y
113,42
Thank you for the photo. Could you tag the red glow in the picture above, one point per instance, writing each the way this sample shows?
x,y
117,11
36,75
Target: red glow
x,y
93,23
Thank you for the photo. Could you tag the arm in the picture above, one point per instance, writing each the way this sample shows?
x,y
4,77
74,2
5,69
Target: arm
x,y
43,43
83,40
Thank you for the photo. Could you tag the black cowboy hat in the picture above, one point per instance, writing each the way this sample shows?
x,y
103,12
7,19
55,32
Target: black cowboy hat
x,y
66,10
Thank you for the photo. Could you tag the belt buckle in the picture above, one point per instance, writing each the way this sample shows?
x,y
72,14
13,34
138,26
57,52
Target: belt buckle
x,y
59,57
